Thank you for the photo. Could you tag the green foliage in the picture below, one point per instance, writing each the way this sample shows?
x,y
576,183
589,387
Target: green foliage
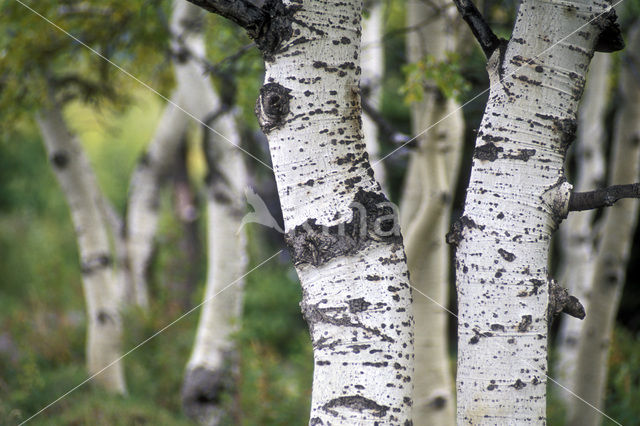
x,y
430,73
34,53
623,388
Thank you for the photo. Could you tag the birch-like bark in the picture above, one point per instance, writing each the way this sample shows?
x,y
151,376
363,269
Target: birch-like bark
x,y
620,221
517,196
340,228
212,363
146,182
372,64
432,174
102,290
576,232
356,296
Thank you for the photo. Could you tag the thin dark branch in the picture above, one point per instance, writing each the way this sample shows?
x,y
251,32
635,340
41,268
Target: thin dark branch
x,y
479,27
604,197
242,12
387,130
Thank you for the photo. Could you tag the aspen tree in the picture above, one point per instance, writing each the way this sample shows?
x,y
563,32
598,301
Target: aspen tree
x,y
517,196
212,363
576,233
103,290
426,208
342,232
619,224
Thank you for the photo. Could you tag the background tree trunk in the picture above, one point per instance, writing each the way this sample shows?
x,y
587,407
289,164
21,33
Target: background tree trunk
x,y
517,196
212,365
576,233
372,64
620,221
428,193
143,204
102,289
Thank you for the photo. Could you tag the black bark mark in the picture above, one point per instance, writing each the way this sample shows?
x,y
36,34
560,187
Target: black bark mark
x,y
454,236
519,384
523,154
358,305
104,317
566,129
509,257
95,263
60,159
488,152
357,403
317,244
610,37
525,323
272,106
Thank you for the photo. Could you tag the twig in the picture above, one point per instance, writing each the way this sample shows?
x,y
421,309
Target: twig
x,y
604,197
383,125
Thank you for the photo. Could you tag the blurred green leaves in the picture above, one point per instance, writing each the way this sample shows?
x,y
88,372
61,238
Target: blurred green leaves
x,y
431,74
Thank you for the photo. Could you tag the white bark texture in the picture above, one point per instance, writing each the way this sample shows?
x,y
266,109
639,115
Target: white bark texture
x,y
356,295
212,363
620,221
372,64
432,174
517,196
102,290
576,233
146,182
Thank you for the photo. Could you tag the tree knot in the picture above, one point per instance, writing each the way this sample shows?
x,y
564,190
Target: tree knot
x,y
561,301
272,106
556,200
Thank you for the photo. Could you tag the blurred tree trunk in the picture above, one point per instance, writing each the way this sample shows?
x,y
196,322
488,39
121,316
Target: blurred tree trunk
x,y
156,163
516,198
426,207
372,64
619,224
576,233
103,290
212,365
341,230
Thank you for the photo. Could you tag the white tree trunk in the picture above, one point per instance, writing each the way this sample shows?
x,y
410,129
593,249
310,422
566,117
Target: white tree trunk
x,y
340,228
102,290
212,362
142,209
620,221
372,64
576,232
431,180
211,368
517,196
